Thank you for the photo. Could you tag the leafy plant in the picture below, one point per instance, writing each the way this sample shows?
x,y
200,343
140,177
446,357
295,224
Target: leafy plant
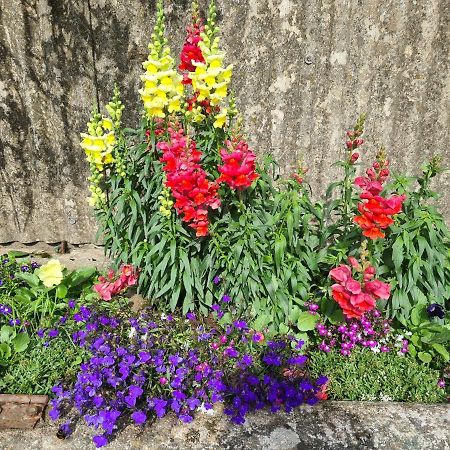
x,y
365,375
11,343
430,338
417,252
33,305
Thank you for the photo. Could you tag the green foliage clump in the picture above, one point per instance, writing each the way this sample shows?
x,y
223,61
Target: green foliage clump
x,y
416,254
41,367
365,375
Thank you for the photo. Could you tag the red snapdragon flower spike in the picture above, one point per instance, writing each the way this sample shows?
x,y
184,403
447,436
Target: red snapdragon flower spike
x,y
239,168
191,51
194,194
357,297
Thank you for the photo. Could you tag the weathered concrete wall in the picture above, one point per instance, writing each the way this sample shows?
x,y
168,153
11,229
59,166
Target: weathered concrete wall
x,y
304,70
328,426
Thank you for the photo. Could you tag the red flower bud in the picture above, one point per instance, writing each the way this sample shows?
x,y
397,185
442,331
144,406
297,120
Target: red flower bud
x,y
354,158
371,174
349,145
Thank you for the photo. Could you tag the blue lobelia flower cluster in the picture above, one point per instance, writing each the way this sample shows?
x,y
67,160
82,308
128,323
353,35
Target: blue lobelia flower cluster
x,y
146,366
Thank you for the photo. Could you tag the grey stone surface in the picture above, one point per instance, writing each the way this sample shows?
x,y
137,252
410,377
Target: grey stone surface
x,y
304,70
78,256
329,426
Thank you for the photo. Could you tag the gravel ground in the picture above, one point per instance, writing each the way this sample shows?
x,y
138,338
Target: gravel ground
x,y
83,255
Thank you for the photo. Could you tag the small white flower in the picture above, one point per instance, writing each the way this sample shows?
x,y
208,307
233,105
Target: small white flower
x,y
132,333
209,412
163,316
408,333
375,349
400,337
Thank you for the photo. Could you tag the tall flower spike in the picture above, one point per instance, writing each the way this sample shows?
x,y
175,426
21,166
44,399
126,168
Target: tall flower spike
x,y
191,51
162,89
210,80
98,145
115,108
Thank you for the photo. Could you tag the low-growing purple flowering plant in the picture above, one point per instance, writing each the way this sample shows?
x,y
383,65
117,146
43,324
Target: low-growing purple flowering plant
x,y
371,331
143,367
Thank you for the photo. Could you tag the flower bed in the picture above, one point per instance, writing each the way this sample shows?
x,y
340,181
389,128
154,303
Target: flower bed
x,y
256,294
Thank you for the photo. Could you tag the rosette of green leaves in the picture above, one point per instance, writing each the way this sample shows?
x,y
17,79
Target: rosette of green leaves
x,y
41,306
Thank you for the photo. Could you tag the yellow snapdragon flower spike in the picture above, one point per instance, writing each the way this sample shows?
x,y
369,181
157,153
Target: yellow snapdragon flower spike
x,y
162,87
221,118
98,144
210,78
99,149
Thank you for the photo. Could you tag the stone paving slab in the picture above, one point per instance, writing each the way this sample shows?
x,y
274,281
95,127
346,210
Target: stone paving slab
x,y
328,426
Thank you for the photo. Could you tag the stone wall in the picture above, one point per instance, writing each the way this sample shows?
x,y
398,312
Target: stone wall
x,y
304,70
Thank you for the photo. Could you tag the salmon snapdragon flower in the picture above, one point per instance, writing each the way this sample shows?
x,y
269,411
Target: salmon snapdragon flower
x,y
113,284
376,211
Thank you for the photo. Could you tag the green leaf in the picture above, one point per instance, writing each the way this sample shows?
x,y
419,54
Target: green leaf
x,y
415,339
79,276
417,315
5,350
20,342
424,357
290,226
174,299
6,333
307,321
261,322
30,278
337,316
226,319
280,246
17,254
397,253
442,351
61,291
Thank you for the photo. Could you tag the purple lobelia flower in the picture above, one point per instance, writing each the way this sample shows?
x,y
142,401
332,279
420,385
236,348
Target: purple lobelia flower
x,y
53,333
100,440
139,417
5,310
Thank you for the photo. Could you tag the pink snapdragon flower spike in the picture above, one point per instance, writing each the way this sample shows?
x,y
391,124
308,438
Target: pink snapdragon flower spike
x,y
357,297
